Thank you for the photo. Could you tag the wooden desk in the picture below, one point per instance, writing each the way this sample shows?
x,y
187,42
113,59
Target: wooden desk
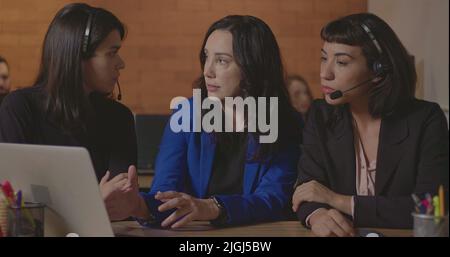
x,y
204,229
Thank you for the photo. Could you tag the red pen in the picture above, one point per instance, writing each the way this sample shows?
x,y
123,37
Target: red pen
x,y
425,205
8,192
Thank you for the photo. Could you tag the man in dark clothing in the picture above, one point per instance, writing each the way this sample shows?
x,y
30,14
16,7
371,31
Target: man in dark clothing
x,y
5,84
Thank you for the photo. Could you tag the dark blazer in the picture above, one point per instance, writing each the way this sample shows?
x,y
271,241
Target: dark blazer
x,y
413,157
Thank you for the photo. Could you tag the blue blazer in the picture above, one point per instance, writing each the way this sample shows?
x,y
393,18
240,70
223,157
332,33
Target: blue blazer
x,y
184,164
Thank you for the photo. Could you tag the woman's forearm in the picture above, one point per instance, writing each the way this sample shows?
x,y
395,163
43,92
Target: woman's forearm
x,y
141,210
342,203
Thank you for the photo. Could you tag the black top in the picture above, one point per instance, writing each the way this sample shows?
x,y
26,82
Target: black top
x,y
1,97
228,167
412,158
109,135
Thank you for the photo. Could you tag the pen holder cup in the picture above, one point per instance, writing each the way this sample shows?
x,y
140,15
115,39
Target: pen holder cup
x,y
430,225
3,217
26,221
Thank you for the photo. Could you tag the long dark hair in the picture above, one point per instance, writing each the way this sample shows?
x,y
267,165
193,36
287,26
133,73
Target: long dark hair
x,y
397,88
258,56
60,73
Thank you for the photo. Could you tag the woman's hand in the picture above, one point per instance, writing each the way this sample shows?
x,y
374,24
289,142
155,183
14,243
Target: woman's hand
x,y
109,186
188,208
312,191
121,195
330,223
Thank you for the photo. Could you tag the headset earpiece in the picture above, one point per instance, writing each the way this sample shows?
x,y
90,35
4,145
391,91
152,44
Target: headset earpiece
x,y
87,33
379,67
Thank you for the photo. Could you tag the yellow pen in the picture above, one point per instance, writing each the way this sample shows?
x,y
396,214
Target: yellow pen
x,y
437,212
441,201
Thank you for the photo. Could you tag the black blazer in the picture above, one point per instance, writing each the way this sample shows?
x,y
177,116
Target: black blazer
x,y
413,157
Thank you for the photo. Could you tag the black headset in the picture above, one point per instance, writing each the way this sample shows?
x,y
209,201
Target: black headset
x,y
85,45
380,67
87,32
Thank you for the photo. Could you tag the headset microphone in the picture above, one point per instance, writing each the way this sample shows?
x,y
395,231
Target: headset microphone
x,y
338,93
119,96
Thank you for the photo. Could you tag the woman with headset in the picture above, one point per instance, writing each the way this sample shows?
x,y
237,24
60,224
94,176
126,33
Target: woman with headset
x,y
71,104
370,143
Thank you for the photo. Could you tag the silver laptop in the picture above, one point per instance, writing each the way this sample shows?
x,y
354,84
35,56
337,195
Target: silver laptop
x,y
62,178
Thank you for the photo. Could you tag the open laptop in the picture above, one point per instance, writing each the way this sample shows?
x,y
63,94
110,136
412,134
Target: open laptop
x,y
62,178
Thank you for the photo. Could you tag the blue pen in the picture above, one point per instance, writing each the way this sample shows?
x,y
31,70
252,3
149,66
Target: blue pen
x,y
18,207
26,213
19,199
